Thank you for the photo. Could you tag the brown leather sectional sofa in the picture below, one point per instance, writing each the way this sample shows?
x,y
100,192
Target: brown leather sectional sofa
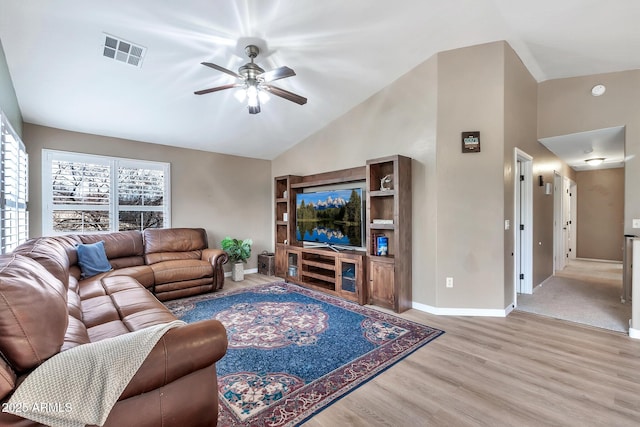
x,y
47,307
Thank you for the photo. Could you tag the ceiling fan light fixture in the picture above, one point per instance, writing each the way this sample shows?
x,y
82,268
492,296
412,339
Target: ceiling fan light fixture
x,y
595,161
241,95
252,96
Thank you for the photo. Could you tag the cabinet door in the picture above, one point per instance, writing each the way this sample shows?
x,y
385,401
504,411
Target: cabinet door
x,y
293,266
349,283
281,261
381,284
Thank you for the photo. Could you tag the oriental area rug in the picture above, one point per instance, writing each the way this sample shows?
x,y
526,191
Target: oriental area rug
x,y
294,351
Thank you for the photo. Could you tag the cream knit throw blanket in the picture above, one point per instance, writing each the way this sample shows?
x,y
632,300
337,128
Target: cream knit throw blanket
x,y
80,386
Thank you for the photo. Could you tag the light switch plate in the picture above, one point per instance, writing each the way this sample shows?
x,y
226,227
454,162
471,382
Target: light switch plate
x,y
636,223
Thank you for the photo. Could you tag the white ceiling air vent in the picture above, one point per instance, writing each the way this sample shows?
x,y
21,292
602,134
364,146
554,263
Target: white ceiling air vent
x,y
123,51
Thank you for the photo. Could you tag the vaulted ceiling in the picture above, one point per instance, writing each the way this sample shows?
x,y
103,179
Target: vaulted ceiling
x,y
342,51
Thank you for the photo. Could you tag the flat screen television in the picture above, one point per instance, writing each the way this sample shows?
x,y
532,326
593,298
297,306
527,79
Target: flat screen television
x,y
330,217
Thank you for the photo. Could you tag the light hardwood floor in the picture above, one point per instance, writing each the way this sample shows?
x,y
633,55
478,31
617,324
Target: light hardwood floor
x,y
522,370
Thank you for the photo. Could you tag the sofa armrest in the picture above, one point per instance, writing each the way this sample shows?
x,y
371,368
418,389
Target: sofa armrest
x,y
217,258
179,352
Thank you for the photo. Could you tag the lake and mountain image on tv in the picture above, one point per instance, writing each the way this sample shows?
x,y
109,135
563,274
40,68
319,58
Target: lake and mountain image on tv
x,y
332,217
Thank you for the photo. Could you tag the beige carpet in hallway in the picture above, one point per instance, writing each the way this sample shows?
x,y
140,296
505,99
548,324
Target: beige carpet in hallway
x,y
586,292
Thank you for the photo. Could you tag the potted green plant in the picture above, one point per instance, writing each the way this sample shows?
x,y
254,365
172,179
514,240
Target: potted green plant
x,y
239,252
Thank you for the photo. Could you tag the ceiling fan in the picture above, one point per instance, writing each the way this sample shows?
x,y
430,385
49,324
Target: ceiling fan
x,y
256,82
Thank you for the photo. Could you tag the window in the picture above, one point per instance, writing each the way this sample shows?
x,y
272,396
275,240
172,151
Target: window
x,y
84,193
14,225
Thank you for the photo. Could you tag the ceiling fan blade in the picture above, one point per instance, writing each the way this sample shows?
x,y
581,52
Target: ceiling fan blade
x,y
286,94
215,89
224,70
276,74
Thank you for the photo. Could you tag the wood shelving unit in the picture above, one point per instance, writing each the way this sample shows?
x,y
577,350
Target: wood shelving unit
x,y
285,202
364,277
389,276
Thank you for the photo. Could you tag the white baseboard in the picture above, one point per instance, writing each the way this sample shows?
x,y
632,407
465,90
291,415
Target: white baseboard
x,y
634,333
443,311
246,271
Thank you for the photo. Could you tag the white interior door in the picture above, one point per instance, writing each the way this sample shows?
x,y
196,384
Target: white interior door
x,y
567,230
558,223
523,223
573,219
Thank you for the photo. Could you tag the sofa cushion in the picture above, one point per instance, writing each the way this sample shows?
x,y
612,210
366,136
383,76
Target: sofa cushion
x,y
55,253
27,338
76,334
123,248
119,244
162,244
142,273
180,270
92,259
92,287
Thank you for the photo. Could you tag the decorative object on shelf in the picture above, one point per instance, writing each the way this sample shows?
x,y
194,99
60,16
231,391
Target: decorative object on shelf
x,y
471,142
285,217
382,245
285,194
382,221
293,271
239,252
386,180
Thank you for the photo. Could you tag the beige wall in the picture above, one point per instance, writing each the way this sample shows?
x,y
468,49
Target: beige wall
x,y
520,99
470,229
226,195
521,105
566,106
8,100
600,214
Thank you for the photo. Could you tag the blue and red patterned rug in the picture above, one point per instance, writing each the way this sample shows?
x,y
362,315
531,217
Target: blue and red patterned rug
x,y
293,351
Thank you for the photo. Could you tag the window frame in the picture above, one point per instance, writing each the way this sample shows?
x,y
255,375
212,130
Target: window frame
x,y
113,206
11,237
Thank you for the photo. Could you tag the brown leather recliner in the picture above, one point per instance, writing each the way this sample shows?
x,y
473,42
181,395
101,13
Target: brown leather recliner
x,y
182,263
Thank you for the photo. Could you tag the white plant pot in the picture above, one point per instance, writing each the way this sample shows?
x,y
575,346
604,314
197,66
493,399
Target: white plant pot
x,y
237,272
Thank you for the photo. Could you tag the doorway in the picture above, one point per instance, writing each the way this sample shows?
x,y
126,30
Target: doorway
x,y
588,205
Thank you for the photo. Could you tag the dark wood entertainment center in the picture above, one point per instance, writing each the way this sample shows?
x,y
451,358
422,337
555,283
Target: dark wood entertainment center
x,y
365,277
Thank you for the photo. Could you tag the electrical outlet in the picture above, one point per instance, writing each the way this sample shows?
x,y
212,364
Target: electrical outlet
x,y
449,282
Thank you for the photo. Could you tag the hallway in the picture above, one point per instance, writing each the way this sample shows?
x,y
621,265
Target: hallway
x,y
586,292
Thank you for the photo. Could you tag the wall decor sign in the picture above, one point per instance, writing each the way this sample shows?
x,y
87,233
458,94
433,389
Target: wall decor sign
x,y
471,142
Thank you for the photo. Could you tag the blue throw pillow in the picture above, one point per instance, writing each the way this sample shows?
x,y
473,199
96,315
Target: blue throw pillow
x,y
92,259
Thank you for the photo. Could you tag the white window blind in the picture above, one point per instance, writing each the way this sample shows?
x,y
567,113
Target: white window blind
x,y
140,195
90,194
14,228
